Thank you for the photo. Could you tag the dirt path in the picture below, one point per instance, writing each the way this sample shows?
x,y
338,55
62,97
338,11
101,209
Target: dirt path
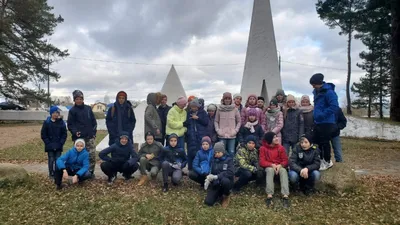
x,y
9,135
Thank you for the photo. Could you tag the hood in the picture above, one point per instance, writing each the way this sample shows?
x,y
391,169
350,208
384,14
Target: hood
x,y
280,92
125,134
328,86
247,101
152,99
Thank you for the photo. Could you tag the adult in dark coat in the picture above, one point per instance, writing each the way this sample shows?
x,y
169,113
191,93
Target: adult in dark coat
x,y
120,118
163,110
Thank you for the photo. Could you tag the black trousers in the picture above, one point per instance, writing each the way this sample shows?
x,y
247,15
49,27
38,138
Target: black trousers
x,y
111,169
322,137
214,192
245,176
193,175
58,174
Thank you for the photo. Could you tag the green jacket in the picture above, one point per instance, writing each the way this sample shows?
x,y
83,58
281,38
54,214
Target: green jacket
x,y
246,159
155,149
175,119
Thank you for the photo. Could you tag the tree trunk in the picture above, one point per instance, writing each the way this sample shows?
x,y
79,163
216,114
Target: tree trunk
x,y
380,78
348,72
395,78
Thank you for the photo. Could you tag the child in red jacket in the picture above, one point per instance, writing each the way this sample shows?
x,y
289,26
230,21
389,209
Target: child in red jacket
x,y
274,159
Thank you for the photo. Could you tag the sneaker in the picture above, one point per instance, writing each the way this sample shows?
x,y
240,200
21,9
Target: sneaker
x,y
285,202
111,180
127,177
329,164
268,201
323,165
60,187
165,187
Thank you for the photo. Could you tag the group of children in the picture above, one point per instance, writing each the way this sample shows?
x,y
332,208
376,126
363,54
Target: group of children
x,y
250,142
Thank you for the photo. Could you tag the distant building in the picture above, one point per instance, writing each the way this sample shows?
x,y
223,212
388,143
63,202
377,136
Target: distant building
x,y
99,107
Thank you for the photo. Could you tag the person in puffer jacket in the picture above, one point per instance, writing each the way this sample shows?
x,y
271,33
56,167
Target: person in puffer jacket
x,y
304,165
176,119
247,167
54,135
280,96
73,163
274,119
220,180
149,158
307,109
196,123
202,162
252,127
293,128
252,103
123,159
173,160
211,110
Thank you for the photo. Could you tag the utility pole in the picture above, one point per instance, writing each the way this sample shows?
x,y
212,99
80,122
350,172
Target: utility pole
x,y
48,80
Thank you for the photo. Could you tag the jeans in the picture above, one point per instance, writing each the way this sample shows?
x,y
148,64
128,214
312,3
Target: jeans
x,y
167,170
51,161
214,192
111,169
283,177
313,177
287,146
337,148
229,146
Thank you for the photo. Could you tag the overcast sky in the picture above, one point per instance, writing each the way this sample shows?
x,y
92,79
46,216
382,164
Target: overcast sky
x,y
185,32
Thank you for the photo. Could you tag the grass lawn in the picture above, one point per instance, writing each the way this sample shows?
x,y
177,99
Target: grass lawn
x,y
34,150
374,201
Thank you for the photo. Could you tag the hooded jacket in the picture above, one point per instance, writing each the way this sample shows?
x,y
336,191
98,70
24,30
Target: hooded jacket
x,y
175,119
53,134
163,112
223,168
227,121
119,119
155,149
151,117
246,159
174,155
202,161
272,155
305,159
120,153
326,104
81,119
74,160
282,104
196,129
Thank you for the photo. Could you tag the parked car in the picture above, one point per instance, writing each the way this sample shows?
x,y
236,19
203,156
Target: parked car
x,y
11,106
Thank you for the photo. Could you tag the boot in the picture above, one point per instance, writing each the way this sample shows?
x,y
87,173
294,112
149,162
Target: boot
x,y
225,201
143,180
165,187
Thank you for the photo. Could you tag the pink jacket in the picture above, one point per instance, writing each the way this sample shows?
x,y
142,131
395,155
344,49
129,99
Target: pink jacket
x,y
227,121
274,123
260,116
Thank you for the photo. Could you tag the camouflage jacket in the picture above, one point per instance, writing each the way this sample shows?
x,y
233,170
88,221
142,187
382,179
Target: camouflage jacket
x,y
246,159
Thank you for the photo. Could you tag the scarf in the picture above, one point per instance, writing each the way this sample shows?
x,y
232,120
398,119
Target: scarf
x,y
273,112
226,108
251,125
306,109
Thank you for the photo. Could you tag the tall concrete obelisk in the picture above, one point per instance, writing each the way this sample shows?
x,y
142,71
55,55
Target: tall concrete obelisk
x,y
172,87
261,57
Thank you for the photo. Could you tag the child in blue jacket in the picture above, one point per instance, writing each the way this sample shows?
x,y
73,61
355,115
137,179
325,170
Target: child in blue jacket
x,y
54,135
202,162
73,163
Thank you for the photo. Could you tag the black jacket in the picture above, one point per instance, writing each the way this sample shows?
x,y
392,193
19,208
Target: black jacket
x,y
301,159
223,167
341,123
128,121
53,134
245,132
174,155
81,119
120,153
163,112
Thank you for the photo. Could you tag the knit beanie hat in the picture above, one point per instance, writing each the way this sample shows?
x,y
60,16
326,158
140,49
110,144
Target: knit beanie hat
x,y
219,147
81,140
252,112
206,139
309,137
212,107
274,102
252,95
54,109
173,135
237,96
124,134
148,133
251,138
290,98
269,136
317,78
194,102
77,94
190,98
181,101
261,98
226,95
305,97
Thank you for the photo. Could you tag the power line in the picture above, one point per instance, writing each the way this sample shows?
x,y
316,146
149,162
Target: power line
x,y
322,67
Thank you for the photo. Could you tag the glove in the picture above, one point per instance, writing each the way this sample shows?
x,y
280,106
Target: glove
x,y
211,177
206,184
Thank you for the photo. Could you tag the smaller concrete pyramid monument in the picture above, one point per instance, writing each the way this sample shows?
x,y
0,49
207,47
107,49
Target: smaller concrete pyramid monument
x,y
264,92
172,87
